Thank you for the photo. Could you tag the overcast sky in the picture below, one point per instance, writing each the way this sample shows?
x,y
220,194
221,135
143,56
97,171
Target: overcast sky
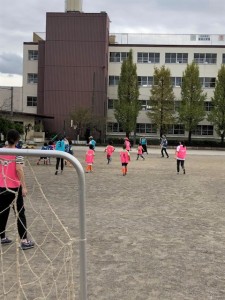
x,y
19,19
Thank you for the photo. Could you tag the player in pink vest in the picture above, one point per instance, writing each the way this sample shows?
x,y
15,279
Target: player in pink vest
x,y
140,151
89,158
109,151
180,155
124,158
12,190
127,143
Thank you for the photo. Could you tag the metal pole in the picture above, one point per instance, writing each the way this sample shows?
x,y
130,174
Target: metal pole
x,y
11,101
82,197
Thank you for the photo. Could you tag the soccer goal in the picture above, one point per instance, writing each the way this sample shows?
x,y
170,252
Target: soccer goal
x,y
47,270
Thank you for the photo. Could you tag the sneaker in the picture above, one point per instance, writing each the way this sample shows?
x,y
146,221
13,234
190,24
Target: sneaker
x,y
184,171
26,245
6,241
56,172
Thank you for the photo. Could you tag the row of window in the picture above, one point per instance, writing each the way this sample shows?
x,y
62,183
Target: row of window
x,y
177,129
170,58
148,81
145,104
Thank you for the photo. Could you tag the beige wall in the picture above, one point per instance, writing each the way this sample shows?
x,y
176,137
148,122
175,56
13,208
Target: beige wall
x,y
11,99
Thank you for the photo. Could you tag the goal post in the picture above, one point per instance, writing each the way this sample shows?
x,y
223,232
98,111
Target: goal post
x,y
82,198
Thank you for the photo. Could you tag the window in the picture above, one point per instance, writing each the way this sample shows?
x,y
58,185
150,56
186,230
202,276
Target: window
x,y
32,78
31,101
32,55
208,82
176,81
176,129
205,58
114,127
148,57
145,81
204,37
146,128
208,105
177,105
118,56
111,103
145,105
114,80
180,58
154,57
203,130
223,59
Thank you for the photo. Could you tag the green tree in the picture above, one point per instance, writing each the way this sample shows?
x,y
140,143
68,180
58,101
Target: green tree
x,y
128,106
191,110
217,114
162,100
6,125
81,119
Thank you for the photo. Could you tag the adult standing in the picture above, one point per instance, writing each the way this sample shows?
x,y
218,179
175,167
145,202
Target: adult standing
x,y
180,155
12,190
60,146
164,144
143,142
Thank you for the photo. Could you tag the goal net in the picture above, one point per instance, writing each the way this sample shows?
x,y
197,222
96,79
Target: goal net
x,y
46,271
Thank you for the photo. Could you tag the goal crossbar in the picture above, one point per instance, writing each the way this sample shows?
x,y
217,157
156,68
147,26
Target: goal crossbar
x,y
82,198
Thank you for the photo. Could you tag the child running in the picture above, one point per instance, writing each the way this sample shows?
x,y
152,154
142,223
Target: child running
x,y
89,158
124,158
109,151
180,155
140,152
45,158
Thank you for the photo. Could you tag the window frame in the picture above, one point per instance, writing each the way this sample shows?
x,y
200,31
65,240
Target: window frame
x,y
148,57
32,55
173,58
201,129
147,128
32,100
205,58
114,80
32,78
118,57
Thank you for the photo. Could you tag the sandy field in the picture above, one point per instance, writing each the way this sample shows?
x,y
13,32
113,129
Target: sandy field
x,y
151,235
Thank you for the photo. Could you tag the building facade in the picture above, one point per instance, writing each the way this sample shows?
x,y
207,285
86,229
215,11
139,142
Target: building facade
x,y
174,52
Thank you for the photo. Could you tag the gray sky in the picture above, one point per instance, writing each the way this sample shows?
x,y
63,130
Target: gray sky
x,y
19,19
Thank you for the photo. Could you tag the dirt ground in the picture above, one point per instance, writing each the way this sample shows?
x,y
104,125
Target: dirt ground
x,y
151,235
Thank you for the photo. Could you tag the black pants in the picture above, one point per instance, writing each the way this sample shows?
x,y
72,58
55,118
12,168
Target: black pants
x,y
145,148
57,163
180,162
6,199
164,150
